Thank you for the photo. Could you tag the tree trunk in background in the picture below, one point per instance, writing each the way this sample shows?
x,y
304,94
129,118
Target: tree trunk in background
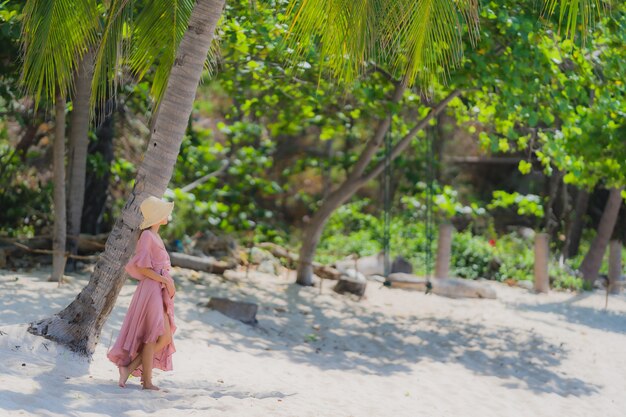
x,y
593,260
615,265
97,181
576,229
78,326
542,262
58,162
357,179
313,230
444,251
78,144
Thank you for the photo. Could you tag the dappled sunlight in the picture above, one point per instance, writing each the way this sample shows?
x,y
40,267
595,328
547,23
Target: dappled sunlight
x,y
332,332
304,337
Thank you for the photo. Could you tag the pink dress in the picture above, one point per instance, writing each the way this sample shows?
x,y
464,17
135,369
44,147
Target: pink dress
x,y
144,321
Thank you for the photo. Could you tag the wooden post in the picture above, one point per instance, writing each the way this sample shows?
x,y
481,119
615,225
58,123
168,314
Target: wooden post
x,y
615,266
444,251
542,255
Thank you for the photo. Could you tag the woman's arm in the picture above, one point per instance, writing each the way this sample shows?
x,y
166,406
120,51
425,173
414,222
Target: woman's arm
x,y
148,272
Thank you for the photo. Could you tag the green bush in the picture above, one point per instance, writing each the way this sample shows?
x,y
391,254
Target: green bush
x,y
511,256
352,231
472,257
516,258
349,231
563,280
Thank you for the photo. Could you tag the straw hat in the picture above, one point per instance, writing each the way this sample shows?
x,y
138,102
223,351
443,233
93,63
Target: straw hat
x,y
154,210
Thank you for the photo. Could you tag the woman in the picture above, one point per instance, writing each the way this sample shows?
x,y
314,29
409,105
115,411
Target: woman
x,y
145,339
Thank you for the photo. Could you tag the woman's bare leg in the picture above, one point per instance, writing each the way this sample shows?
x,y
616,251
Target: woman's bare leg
x,y
161,342
125,371
147,357
166,337
124,374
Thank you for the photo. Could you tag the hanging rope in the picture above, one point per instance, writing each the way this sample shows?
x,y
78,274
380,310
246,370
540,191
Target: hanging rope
x,y
429,219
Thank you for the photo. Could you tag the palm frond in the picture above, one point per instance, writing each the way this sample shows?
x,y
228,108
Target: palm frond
x,y
145,44
55,36
111,52
158,30
424,41
415,39
576,16
345,30
213,57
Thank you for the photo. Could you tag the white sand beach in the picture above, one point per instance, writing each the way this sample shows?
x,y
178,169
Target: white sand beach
x,y
393,353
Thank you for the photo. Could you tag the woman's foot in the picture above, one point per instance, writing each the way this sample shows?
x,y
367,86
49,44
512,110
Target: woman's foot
x,y
151,387
124,374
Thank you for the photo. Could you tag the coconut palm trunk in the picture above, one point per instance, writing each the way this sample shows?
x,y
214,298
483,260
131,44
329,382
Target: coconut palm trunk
x,y
593,260
78,326
77,146
357,178
58,162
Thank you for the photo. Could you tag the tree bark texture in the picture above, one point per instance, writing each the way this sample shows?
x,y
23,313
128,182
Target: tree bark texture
x,y
444,251
615,266
593,260
313,231
78,326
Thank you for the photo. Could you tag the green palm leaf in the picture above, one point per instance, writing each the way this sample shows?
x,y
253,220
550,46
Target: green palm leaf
x,y
415,39
55,36
347,32
158,30
147,43
576,15
425,37
111,52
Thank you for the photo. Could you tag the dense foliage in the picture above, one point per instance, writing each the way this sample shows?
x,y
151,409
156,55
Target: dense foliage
x,y
271,133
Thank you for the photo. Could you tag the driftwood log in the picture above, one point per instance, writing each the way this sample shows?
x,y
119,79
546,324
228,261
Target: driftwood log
x,y
95,243
322,271
462,288
198,263
86,243
445,287
406,281
51,252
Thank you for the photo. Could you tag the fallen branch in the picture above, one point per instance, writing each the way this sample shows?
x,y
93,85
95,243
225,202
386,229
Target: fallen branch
x,y
445,287
91,258
198,263
86,243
